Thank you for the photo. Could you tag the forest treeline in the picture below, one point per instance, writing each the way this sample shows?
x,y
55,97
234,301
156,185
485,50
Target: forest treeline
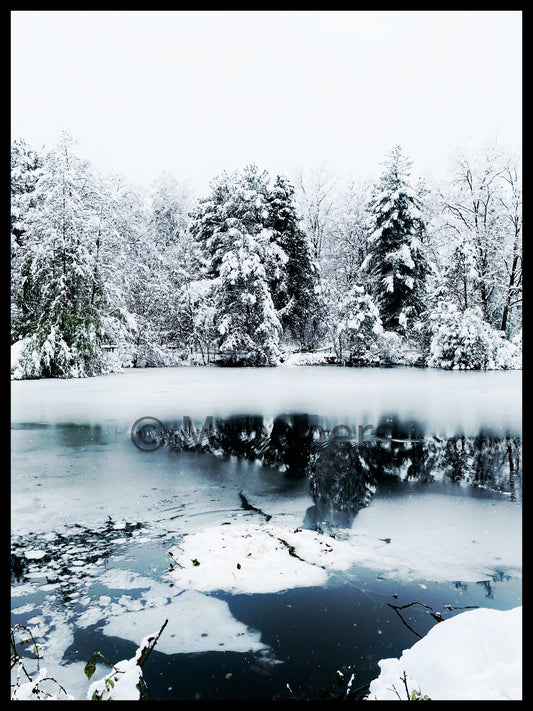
x,y
398,271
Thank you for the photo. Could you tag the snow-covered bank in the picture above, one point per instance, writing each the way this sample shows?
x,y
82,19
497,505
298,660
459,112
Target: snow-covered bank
x,y
474,656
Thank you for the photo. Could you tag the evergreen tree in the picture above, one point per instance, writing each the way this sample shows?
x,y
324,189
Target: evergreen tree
x,y
359,326
244,263
245,316
294,289
26,169
397,263
238,198
62,294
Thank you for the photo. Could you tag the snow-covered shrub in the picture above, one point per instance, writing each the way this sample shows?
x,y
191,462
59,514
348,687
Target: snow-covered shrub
x,y
23,363
391,348
465,341
125,681
38,358
46,354
508,355
358,328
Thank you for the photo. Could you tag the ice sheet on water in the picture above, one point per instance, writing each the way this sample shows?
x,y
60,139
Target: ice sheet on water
x,y
445,402
439,537
196,623
436,537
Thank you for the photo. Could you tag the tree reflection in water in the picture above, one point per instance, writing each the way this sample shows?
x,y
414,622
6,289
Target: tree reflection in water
x,y
344,471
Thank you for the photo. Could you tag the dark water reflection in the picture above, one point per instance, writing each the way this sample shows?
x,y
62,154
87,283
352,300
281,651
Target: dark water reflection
x,y
344,466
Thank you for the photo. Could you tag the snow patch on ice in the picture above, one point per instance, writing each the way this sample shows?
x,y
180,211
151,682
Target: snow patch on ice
x,y
435,537
243,558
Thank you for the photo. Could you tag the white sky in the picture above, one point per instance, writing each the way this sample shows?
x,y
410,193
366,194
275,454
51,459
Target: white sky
x,y
198,92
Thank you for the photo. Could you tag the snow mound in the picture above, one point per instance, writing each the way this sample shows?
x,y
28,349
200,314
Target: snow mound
x,y
476,655
257,559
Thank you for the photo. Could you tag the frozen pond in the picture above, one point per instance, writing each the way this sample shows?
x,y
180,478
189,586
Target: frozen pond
x,y
445,401
278,550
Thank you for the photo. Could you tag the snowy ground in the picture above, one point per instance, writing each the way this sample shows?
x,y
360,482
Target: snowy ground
x,y
474,656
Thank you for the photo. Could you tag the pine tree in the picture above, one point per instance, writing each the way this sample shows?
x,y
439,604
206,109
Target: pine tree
x,y
236,199
245,316
62,294
294,288
396,262
26,169
244,263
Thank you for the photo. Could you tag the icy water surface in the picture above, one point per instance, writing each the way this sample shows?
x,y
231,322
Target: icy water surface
x,y
280,542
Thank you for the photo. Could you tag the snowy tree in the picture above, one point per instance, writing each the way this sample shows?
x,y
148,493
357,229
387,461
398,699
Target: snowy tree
x,y
207,222
245,316
123,226
295,289
397,262
26,169
145,262
316,203
170,203
174,261
359,326
61,294
196,309
236,198
245,263
465,341
483,243
510,199
350,232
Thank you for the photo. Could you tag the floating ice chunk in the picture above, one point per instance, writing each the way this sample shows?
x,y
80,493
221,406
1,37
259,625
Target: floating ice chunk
x,y
196,623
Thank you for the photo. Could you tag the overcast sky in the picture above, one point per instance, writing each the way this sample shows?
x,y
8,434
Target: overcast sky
x,y
198,92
